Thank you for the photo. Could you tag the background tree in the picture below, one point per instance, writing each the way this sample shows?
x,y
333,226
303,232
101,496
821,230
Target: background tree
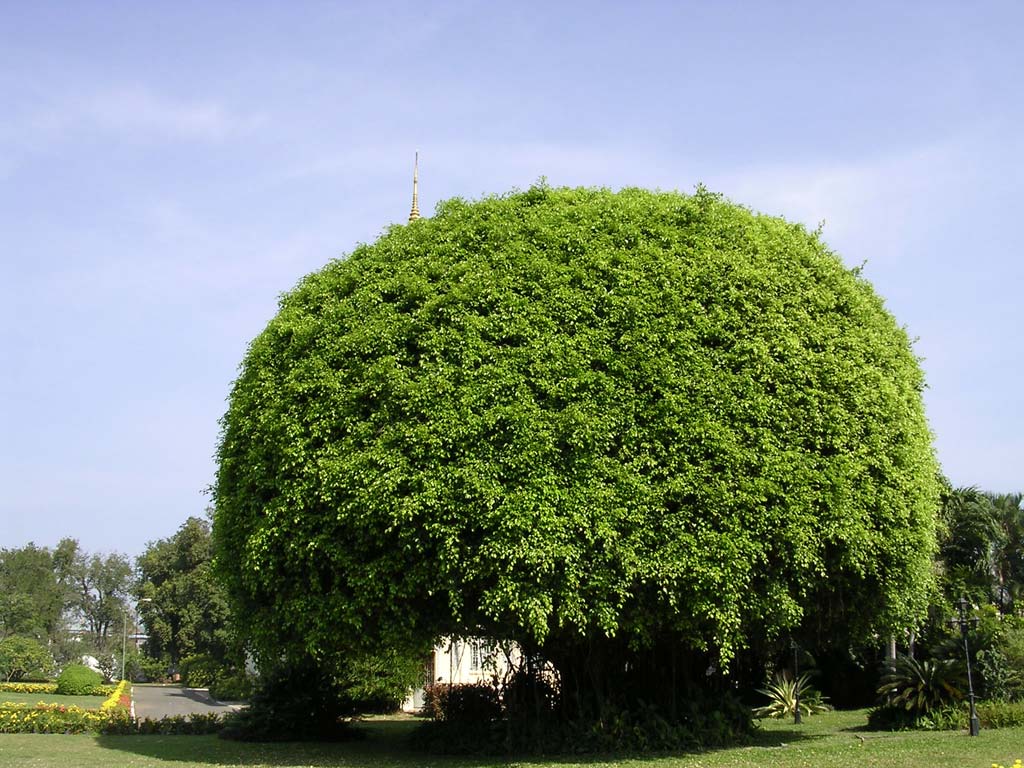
x,y
981,551
99,587
32,599
182,605
630,431
968,546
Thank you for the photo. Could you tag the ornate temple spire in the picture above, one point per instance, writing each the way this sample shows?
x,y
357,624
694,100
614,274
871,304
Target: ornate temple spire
x,y
415,212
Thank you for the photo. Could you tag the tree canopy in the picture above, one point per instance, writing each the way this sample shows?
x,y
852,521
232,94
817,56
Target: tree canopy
x,y
564,415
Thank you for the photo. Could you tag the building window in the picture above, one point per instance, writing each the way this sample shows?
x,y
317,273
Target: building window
x,y
475,648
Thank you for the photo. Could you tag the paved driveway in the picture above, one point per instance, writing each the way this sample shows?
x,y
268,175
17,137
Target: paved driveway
x,y
156,701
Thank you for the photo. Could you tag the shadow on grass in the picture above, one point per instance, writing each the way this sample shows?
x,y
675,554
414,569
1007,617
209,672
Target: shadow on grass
x,y
386,744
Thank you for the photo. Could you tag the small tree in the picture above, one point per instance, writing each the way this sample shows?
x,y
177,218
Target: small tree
x,y
22,656
99,587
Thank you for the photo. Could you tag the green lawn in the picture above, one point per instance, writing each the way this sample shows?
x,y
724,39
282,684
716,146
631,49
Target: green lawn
x,y
86,702
824,741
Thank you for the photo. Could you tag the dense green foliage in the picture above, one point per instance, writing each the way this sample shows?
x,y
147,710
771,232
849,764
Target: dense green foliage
x,y
232,687
195,724
78,680
293,701
591,422
185,611
302,699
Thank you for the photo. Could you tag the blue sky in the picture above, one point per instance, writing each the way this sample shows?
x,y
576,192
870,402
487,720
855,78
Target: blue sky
x,y
167,169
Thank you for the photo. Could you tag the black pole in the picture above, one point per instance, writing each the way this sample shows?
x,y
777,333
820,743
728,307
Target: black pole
x,y
963,622
796,685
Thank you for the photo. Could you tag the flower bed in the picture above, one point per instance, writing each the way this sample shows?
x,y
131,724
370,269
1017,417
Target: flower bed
x,y
50,688
28,687
57,718
112,715
119,697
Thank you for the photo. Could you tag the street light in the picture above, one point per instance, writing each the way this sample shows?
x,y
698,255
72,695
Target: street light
x,y
124,631
963,621
124,637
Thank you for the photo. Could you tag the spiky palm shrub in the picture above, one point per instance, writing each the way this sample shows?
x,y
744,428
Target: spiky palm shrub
x,y
783,692
920,687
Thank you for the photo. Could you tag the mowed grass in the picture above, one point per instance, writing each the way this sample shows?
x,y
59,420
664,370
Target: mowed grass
x,y
831,740
85,702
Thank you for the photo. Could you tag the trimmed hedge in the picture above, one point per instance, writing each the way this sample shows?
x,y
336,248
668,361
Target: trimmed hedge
x,y
991,715
179,725
78,680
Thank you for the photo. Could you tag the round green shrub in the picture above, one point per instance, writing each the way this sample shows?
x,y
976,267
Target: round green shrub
x,y
572,417
78,680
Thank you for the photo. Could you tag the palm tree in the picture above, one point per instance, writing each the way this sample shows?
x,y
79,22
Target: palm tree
x,y
1008,557
921,686
971,539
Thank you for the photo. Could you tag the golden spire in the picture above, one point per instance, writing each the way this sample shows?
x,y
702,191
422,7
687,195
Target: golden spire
x,y
415,212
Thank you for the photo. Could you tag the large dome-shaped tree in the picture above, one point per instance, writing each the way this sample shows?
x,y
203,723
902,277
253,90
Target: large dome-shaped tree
x,y
578,419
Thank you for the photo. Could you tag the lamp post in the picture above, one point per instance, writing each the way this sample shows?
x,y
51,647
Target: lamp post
x,y
124,637
124,632
796,683
963,621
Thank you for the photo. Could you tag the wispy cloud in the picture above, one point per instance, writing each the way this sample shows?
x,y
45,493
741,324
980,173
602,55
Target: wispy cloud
x,y
130,113
140,111
844,195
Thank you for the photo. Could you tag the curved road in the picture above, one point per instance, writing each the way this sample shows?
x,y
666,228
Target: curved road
x,y
156,701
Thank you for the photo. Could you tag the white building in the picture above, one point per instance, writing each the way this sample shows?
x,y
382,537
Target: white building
x,y
460,661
